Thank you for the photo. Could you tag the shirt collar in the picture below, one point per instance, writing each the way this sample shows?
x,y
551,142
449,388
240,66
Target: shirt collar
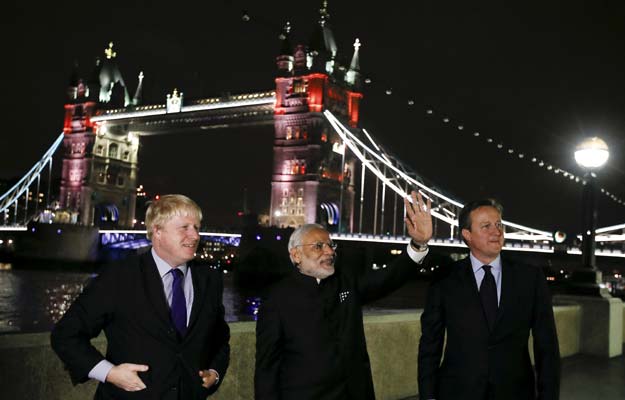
x,y
477,264
163,267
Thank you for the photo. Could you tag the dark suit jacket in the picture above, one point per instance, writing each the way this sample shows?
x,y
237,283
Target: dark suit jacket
x,y
127,301
476,358
310,340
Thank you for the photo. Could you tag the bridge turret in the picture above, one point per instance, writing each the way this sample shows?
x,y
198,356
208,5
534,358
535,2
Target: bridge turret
x,y
93,82
77,143
285,60
309,181
75,88
299,57
98,183
322,47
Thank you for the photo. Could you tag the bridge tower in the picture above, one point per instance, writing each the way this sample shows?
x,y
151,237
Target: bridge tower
x,y
99,174
312,179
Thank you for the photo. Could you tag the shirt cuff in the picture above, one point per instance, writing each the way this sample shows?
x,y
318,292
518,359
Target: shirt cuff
x,y
216,373
100,371
416,256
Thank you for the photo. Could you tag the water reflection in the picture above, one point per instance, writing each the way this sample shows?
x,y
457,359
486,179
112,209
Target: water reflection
x,y
60,298
34,300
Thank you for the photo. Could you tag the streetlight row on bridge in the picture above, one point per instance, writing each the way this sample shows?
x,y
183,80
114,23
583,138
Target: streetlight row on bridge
x,y
499,144
523,156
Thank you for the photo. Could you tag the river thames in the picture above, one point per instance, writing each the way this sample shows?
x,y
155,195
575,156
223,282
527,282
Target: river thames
x,y
32,300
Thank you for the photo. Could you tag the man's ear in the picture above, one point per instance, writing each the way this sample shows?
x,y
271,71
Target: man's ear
x,y
295,257
466,235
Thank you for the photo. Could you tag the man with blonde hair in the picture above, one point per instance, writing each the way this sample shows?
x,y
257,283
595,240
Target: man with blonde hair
x,y
162,315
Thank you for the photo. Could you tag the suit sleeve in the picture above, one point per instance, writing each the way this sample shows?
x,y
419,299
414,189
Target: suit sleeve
x,y
269,347
84,320
546,347
374,284
221,339
431,343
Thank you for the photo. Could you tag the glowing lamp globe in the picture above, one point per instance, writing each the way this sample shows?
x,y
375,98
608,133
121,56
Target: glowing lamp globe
x,y
592,153
559,236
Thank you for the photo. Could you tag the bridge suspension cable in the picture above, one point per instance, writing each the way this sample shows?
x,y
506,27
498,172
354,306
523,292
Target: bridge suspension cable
x,y
394,174
22,187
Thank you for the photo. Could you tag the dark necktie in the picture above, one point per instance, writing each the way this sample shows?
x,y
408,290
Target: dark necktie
x,y
178,302
488,294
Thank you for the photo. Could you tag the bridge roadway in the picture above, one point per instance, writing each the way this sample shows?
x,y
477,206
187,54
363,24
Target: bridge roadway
x,y
512,245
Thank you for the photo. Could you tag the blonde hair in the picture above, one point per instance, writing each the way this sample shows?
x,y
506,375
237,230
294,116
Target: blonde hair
x,y
168,206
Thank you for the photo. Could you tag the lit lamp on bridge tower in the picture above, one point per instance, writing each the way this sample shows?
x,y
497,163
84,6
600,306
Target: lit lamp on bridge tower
x,y
591,154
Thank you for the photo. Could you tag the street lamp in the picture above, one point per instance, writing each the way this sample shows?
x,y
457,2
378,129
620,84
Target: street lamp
x,y
591,154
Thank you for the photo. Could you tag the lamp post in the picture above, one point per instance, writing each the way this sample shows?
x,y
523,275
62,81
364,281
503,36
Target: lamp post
x,y
591,154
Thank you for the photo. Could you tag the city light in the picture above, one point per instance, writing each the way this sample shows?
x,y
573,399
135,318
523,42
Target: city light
x,y
592,153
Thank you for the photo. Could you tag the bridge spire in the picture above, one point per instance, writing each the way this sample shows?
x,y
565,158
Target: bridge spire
x,y
323,13
285,58
353,74
75,83
322,47
136,100
107,76
109,51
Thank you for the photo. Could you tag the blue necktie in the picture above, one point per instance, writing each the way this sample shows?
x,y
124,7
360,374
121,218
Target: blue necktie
x,y
488,294
178,303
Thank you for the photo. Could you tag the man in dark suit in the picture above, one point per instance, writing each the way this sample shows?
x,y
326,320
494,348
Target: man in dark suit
x,y
486,307
310,340
163,317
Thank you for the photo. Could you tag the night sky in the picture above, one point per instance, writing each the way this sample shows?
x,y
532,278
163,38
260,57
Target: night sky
x,y
536,77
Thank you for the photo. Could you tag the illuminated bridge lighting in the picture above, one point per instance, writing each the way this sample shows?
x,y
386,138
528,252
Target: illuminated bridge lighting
x,y
240,101
535,248
12,228
379,169
143,232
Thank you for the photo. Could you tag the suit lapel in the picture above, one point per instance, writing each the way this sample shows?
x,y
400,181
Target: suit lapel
x,y
468,278
154,288
472,294
199,292
508,293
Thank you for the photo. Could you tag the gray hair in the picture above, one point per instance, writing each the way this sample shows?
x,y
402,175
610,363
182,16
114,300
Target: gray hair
x,y
299,233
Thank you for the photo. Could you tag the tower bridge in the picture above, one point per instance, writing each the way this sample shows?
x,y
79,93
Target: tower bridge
x,y
324,161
